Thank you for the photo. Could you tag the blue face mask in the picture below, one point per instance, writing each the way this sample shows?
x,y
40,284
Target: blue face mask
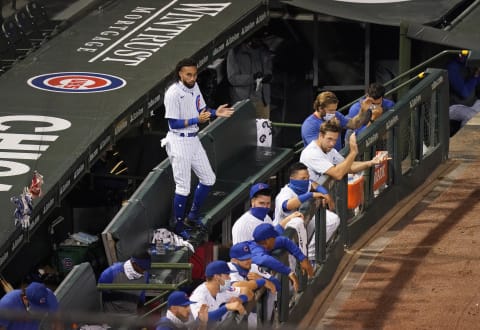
x,y
299,186
259,212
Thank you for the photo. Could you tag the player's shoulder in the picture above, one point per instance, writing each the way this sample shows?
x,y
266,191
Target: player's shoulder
x,y
173,90
199,291
244,216
311,147
10,299
310,120
285,193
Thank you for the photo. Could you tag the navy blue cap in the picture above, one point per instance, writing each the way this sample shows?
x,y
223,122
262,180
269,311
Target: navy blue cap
x,y
240,251
217,267
263,232
143,263
260,187
178,298
37,294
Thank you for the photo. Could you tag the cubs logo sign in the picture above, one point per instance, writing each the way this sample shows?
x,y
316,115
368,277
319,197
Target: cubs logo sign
x,y
76,82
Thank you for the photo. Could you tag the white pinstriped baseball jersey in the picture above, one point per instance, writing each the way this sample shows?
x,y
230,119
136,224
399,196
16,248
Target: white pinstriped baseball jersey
x,y
182,102
243,228
186,153
201,296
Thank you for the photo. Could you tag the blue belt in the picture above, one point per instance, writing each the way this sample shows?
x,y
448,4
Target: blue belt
x,y
187,134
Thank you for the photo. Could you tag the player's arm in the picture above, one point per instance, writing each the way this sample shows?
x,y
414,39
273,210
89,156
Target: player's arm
x,y
283,223
282,242
363,116
360,166
250,284
182,123
338,171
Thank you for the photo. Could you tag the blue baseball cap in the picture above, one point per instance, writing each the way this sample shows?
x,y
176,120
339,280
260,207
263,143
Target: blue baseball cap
x,y
240,251
217,267
144,263
37,294
256,188
263,232
179,298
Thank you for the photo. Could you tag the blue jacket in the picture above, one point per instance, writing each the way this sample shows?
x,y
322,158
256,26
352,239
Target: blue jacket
x,y
355,109
262,257
311,128
462,86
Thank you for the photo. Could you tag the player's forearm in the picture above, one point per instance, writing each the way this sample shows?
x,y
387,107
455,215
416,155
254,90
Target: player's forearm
x,y
361,119
182,123
360,166
338,172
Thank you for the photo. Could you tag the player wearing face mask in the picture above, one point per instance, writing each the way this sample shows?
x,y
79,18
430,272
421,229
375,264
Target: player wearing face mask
x,y
218,294
260,202
299,190
325,109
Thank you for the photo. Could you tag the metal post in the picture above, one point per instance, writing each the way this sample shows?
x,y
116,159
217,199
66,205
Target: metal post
x,y
320,235
316,51
404,55
367,54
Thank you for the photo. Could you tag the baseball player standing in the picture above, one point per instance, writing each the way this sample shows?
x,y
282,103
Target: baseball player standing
x,y
185,109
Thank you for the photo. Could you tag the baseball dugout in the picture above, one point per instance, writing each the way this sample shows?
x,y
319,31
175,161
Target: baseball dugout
x,y
231,146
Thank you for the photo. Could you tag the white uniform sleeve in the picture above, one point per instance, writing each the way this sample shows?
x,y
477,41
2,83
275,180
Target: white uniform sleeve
x,y
235,276
280,214
255,269
172,103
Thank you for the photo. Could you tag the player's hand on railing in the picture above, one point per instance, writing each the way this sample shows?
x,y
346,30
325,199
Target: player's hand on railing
x,y
270,286
236,305
330,202
293,278
224,111
306,267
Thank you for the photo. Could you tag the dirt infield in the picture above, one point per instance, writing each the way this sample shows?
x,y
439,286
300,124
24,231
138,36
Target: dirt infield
x,y
423,272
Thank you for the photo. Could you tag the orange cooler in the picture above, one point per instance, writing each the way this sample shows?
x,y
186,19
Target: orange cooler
x,y
355,191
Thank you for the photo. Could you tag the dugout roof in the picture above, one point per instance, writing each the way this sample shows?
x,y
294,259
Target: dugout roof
x,y
64,103
419,15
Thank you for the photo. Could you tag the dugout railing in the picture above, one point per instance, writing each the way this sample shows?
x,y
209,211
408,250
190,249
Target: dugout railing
x,y
415,134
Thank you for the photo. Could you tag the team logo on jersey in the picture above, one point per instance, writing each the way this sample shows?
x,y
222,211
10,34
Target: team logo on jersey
x,y
197,102
76,82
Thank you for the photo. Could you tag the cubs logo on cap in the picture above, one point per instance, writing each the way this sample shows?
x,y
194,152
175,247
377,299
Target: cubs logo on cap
x,y
240,251
76,82
260,187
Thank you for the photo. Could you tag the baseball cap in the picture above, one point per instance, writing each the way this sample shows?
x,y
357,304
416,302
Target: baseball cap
x,y
37,294
240,251
179,298
263,232
217,267
144,262
260,187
